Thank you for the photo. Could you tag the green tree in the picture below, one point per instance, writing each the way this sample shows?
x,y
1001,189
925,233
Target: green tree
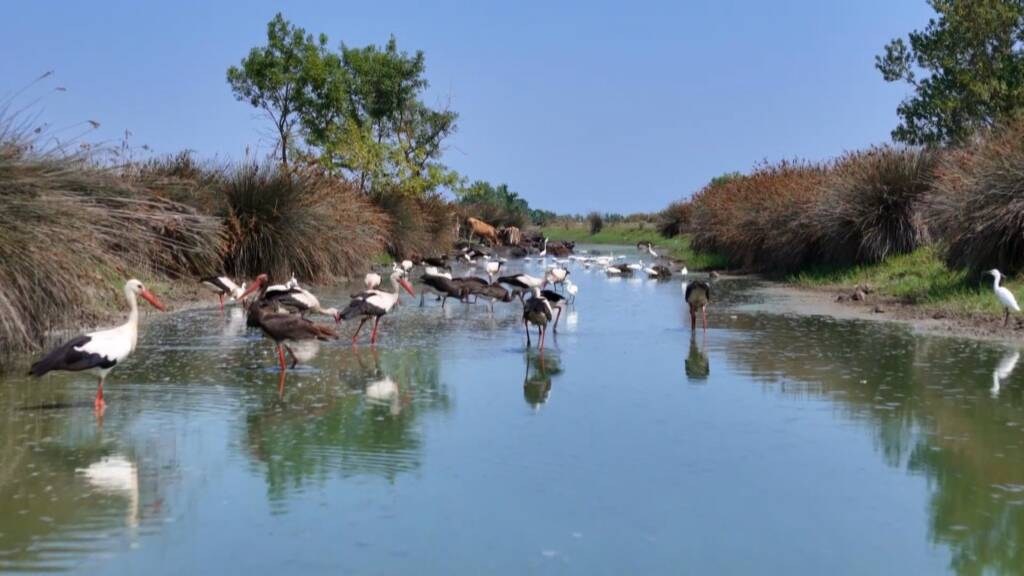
x,y
275,77
966,69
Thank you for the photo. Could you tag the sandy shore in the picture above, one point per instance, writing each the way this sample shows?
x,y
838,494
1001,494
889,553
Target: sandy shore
x,y
791,299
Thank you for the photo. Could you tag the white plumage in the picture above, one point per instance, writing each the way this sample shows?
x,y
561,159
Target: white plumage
x,y
1003,371
372,280
1003,294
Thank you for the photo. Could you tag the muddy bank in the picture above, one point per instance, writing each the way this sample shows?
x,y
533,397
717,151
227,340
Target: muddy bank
x,y
836,303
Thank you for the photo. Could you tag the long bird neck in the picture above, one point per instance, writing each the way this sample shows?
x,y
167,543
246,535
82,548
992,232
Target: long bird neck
x,y
132,325
995,281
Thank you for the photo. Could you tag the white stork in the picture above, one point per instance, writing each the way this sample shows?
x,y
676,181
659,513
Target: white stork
x,y
557,275
492,268
99,352
372,280
223,286
375,304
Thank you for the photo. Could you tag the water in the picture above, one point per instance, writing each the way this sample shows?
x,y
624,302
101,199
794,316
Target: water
x,y
775,444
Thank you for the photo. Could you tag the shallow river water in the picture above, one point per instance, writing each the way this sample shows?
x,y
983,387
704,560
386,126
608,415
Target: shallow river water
x,y
772,444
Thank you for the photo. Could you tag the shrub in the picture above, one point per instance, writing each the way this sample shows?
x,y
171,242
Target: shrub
x,y
298,222
596,222
977,207
873,205
419,226
675,219
71,233
761,221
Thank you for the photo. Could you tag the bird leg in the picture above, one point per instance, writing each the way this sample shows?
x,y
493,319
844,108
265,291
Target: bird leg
x,y
373,336
295,359
527,326
693,319
423,294
221,301
360,327
557,316
543,331
99,404
1006,317
280,357
704,312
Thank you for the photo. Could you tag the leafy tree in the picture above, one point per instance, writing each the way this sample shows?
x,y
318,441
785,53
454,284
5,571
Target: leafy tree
x,y
966,68
274,77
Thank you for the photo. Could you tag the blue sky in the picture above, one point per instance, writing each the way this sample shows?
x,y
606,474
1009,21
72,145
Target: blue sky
x,y
582,106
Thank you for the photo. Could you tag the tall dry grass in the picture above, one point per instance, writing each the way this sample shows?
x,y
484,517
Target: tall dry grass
x,y
977,208
285,222
873,205
71,232
760,221
418,226
675,219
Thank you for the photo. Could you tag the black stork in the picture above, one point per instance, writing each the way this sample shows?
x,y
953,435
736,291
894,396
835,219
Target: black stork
x,y
375,304
536,311
524,282
493,292
98,352
698,295
557,302
443,286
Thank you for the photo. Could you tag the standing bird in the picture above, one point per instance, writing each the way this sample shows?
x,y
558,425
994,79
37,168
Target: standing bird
x,y
442,285
536,311
282,327
544,252
698,294
524,282
100,351
294,299
492,268
556,275
572,290
375,304
1004,295
372,280
223,286
492,292
557,302
646,246
406,265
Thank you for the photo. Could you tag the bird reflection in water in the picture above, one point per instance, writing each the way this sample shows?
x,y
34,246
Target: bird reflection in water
x,y
537,386
381,389
1003,370
698,366
118,476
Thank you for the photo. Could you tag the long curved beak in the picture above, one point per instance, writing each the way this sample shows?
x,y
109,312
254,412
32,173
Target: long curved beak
x,y
149,297
408,287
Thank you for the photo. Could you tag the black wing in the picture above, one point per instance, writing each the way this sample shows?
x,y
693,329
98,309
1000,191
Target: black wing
x,y
215,282
67,357
552,296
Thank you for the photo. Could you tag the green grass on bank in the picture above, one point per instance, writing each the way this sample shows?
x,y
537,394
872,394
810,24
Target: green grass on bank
x,y
916,278
677,248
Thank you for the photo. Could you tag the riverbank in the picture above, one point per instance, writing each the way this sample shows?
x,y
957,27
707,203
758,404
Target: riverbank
x,y
916,288
628,234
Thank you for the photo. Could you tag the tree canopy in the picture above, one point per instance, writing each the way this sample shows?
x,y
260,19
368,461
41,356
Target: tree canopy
x,y
966,69
359,110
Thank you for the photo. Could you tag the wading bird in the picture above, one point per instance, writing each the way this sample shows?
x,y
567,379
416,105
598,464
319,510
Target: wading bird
x,y
443,286
492,292
223,286
375,304
557,275
557,302
698,294
282,327
371,280
572,290
522,281
406,265
492,268
544,252
294,299
1004,295
99,352
646,246
536,311
659,272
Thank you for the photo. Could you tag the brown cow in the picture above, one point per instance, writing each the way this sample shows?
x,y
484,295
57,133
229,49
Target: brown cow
x,y
482,229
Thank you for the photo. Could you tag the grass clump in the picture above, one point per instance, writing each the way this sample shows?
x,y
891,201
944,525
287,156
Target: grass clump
x,y
595,222
70,233
760,221
286,222
872,206
675,219
418,226
978,203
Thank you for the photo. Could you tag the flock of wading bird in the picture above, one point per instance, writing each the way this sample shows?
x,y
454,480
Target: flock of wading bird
x,y
280,310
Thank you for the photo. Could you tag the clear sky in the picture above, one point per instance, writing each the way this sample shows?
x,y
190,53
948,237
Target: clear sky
x,y
611,106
